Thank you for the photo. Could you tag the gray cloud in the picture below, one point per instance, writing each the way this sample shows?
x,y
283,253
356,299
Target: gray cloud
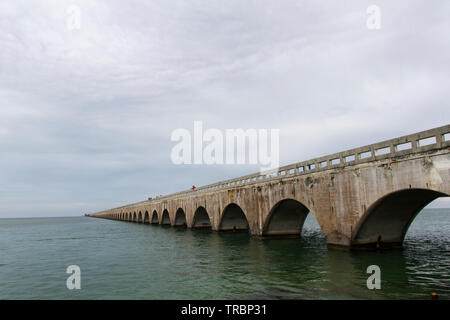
x,y
86,115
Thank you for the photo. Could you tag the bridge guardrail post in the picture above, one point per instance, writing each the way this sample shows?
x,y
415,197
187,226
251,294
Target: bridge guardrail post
x,y
414,145
439,139
392,149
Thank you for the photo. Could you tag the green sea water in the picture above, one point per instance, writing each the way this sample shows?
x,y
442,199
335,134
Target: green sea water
x,y
122,260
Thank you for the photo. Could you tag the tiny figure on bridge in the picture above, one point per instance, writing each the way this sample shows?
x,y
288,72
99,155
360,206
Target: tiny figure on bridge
x,y
194,187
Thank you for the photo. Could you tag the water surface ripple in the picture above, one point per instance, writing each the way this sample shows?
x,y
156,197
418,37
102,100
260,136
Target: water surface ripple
x,y
121,260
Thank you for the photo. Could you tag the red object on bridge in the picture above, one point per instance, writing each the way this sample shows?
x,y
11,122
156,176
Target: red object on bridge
x,y
194,187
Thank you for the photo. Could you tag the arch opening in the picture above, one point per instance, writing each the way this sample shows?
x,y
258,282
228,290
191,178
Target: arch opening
x,y
201,219
165,218
386,222
146,218
180,218
154,218
134,217
286,218
233,219
139,217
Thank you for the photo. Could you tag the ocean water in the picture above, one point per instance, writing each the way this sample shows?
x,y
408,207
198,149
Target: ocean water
x,y
122,260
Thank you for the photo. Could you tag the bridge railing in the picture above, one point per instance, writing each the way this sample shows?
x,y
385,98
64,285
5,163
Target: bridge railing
x,y
414,143
432,139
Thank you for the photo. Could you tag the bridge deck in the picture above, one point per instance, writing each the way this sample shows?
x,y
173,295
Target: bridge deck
x,y
433,139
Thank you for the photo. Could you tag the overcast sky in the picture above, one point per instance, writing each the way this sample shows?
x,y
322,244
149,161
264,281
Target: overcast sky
x,y
86,114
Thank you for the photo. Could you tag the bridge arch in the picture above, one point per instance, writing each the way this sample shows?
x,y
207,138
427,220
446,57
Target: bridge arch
x,y
130,216
139,217
233,219
134,217
387,220
286,218
146,218
155,219
165,220
180,218
201,218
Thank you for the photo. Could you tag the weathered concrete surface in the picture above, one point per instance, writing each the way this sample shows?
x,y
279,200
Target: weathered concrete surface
x,y
359,202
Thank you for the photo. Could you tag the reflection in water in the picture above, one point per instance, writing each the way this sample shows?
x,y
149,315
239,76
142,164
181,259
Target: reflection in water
x,y
135,261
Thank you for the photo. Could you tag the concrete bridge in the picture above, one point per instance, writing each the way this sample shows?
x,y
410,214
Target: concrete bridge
x,y
366,196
